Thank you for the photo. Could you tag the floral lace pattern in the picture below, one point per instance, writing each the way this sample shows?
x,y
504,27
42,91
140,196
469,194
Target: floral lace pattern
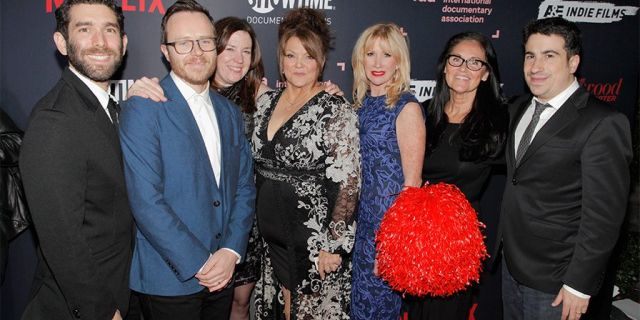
x,y
316,155
382,180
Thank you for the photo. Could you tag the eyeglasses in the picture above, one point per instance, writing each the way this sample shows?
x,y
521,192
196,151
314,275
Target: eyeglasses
x,y
473,64
186,46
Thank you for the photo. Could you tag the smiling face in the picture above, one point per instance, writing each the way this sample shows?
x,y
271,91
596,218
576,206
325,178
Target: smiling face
x,y
300,69
548,69
95,44
197,66
460,79
234,61
379,66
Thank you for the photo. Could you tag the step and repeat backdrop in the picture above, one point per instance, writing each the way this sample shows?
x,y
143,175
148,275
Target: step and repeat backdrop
x,y
30,64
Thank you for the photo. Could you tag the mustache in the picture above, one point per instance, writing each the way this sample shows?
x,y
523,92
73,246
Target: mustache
x,y
197,60
92,51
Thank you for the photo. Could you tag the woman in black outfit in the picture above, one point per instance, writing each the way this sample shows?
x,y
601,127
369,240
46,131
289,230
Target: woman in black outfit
x,y
466,130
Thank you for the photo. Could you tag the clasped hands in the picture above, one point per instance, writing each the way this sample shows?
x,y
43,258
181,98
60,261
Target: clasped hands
x,y
218,270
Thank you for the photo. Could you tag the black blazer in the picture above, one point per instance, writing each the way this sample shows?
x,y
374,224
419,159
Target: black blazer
x,y
563,205
73,177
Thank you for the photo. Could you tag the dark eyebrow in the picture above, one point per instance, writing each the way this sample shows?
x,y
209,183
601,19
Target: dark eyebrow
x,y
83,24
543,52
89,23
113,24
551,51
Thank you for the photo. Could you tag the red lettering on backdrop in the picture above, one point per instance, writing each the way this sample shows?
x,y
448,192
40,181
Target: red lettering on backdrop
x,y
127,7
49,4
155,5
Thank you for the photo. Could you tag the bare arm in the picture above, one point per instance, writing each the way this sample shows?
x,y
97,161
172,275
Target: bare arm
x,y
412,137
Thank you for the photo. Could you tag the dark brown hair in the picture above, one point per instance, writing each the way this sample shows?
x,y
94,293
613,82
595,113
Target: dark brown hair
x,y
62,14
556,26
244,91
310,26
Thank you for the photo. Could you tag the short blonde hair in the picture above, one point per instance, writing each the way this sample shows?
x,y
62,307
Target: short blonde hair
x,y
397,45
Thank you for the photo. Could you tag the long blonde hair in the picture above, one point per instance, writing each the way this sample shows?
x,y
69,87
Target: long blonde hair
x,y
396,43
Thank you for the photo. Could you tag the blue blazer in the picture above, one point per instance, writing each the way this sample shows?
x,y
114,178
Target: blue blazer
x,y
181,214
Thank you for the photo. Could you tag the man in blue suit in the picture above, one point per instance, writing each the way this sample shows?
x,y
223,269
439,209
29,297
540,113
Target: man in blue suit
x,y
189,175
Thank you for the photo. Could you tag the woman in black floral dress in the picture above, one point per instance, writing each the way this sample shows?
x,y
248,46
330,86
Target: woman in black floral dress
x,y
305,147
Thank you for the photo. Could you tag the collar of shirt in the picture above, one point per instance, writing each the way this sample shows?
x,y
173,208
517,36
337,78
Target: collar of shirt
x,y
102,95
555,103
188,93
562,97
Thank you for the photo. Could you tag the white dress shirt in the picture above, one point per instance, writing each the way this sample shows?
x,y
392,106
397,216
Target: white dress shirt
x,y
102,95
555,103
202,109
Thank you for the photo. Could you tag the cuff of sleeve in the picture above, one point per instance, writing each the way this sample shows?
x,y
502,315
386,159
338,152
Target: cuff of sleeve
x,y
205,263
234,252
576,292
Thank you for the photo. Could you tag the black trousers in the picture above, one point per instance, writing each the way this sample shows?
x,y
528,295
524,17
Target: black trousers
x,y
198,306
455,307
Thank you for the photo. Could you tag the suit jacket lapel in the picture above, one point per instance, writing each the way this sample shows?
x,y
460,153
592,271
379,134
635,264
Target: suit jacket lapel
x,y
182,117
98,115
561,119
223,119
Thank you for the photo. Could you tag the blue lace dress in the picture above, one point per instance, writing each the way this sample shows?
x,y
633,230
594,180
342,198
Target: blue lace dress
x,y
382,179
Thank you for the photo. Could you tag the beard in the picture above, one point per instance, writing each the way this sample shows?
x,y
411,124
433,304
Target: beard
x,y
95,72
195,75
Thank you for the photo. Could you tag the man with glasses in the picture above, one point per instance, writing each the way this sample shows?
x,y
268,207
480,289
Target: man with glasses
x,y
190,179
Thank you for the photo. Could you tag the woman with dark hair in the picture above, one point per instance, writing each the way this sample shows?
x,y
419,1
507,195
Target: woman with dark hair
x,y
238,76
307,161
239,69
466,125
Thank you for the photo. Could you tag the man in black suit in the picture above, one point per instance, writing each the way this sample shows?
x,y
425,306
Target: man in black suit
x,y
73,176
567,182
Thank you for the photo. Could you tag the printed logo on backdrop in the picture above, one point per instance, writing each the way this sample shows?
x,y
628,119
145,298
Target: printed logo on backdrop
x,y
423,89
605,91
149,6
266,6
463,11
589,12
119,88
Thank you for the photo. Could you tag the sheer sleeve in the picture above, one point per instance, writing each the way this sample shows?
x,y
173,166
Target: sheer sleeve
x,y
342,143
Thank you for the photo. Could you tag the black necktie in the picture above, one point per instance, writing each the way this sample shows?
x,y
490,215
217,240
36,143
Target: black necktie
x,y
525,141
114,110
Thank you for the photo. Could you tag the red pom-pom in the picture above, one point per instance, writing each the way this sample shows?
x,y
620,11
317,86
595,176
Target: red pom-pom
x,y
429,242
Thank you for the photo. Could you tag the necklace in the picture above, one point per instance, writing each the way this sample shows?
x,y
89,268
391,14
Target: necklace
x,y
285,110
299,100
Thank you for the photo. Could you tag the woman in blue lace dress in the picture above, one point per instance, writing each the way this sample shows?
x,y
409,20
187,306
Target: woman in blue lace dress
x,y
392,140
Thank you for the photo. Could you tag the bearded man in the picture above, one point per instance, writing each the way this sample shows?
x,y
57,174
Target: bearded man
x,y
71,163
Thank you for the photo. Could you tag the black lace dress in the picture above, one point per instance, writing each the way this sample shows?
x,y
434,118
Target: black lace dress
x,y
308,179
249,270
